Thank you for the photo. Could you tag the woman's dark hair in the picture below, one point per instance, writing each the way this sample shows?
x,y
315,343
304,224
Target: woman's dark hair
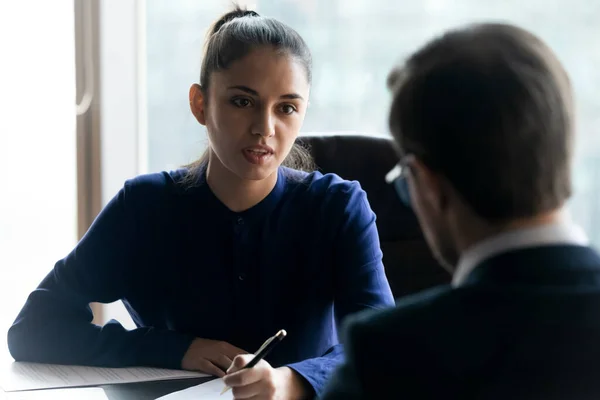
x,y
230,39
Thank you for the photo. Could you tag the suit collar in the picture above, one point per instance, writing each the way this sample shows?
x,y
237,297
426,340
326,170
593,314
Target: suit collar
x,y
559,233
551,265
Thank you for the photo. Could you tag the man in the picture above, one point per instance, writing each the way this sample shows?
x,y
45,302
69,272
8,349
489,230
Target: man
x,y
483,120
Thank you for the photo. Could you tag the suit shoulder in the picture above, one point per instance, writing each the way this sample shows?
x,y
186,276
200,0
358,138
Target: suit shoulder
x,y
406,314
412,316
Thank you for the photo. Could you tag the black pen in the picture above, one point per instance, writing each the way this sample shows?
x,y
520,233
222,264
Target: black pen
x,y
263,351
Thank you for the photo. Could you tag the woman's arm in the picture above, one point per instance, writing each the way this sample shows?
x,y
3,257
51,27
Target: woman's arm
x,y
55,325
360,280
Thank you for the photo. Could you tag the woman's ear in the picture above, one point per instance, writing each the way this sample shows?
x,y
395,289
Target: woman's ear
x,y
198,103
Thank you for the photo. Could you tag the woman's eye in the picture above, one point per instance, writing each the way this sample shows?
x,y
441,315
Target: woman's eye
x,y
241,102
288,109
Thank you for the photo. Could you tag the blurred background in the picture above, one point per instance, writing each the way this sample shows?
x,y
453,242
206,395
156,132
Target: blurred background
x,y
128,65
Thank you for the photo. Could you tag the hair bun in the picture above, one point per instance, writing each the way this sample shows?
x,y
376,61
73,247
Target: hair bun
x,y
230,16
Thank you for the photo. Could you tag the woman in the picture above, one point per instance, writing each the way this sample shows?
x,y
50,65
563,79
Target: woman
x,y
212,259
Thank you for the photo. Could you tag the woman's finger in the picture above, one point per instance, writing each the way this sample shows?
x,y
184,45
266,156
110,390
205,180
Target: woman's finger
x,y
231,351
221,361
209,368
247,392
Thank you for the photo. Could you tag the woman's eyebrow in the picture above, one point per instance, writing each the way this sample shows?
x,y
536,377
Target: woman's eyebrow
x,y
244,89
291,96
253,92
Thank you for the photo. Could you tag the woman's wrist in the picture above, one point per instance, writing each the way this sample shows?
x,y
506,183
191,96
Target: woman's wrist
x,y
297,387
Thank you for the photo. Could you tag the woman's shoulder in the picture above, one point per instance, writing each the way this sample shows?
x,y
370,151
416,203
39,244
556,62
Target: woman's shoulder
x,y
152,186
326,187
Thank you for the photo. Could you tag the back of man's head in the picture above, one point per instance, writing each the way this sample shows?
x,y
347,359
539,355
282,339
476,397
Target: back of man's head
x,y
489,107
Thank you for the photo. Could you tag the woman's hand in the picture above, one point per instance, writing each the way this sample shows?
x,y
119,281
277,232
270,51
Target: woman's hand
x,y
210,356
263,382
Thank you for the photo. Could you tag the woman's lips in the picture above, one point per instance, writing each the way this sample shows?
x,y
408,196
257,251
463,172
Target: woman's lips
x,y
258,155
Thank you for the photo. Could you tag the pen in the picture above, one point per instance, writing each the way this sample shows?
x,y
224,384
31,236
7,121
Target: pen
x,y
263,351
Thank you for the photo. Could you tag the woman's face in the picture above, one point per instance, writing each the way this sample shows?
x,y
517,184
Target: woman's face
x,y
253,112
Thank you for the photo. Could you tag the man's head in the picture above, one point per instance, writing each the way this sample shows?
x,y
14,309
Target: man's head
x,y
483,119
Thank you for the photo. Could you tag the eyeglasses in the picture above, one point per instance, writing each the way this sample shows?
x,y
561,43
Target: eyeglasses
x,y
398,178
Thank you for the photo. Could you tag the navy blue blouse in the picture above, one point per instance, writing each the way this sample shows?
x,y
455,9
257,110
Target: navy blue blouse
x,y
186,266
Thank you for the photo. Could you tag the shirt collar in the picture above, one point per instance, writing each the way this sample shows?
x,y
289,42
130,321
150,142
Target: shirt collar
x,y
258,211
561,232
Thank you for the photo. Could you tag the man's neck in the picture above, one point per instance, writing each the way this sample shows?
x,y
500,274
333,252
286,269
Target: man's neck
x,y
538,220
479,231
236,193
550,229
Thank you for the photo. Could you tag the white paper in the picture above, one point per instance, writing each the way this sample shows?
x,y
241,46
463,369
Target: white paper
x,y
205,391
57,394
28,376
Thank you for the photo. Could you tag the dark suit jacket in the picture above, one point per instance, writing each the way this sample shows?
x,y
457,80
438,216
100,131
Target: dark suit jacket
x,y
525,324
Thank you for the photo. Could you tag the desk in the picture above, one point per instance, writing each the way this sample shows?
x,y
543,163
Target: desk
x,y
125,391
149,390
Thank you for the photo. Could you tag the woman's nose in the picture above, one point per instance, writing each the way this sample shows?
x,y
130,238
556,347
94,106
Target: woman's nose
x,y
265,124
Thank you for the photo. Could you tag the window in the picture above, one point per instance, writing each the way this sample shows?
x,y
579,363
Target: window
x,y
38,211
354,45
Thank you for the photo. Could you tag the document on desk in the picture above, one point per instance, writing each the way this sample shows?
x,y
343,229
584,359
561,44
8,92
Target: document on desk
x,y
29,376
210,390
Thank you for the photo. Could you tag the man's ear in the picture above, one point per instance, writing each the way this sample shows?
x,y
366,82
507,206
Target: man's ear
x,y
431,185
198,103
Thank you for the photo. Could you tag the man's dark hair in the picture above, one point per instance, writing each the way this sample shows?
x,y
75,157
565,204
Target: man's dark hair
x,y
489,107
